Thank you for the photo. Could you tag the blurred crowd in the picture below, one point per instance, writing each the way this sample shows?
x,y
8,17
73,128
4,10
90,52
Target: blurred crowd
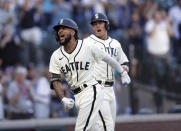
x,y
149,31
25,93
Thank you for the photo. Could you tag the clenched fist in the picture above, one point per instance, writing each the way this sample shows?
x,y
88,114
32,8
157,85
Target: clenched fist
x,y
125,78
68,103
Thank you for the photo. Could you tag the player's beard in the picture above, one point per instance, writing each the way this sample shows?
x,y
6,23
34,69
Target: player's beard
x,y
66,41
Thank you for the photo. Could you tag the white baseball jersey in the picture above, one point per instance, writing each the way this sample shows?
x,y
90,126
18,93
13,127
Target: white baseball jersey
x,y
111,46
104,72
77,67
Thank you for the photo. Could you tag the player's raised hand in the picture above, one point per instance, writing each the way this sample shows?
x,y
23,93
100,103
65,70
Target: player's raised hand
x,y
68,103
125,79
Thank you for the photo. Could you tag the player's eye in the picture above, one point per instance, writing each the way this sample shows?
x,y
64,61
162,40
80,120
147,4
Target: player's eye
x,y
94,24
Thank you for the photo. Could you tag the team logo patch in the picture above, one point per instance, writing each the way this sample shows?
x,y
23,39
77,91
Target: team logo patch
x,y
61,21
96,16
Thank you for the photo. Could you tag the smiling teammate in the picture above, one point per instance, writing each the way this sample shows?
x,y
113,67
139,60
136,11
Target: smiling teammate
x,y
103,73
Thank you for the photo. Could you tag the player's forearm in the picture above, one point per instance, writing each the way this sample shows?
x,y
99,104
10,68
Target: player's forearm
x,y
113,63
58,89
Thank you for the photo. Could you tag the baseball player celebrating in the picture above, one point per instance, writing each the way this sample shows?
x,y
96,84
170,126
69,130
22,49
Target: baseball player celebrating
x,y
103,73
74,61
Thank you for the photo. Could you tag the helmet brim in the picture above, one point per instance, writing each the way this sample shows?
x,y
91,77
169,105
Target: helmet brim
x,y
101,20
56,27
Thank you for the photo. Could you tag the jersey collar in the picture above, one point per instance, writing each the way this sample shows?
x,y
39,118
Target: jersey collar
x,y
75,50
100,40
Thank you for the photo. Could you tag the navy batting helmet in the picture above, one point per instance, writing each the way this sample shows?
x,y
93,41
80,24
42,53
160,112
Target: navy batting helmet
x,y
66,22
100,17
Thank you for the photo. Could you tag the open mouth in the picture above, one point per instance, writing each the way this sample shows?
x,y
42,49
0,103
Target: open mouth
x,y
99,30
61,37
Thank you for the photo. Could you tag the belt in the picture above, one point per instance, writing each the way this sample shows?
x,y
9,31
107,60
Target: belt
x,y
79,89
106,83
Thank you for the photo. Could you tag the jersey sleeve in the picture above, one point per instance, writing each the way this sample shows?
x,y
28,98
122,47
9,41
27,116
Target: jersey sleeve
x,y
121,58
54,66
97,53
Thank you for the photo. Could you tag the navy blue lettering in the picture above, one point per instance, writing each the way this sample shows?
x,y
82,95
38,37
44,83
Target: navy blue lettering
x,y
107,50
115,53
112,50
81,68
72,65
87,65
67,68
76,65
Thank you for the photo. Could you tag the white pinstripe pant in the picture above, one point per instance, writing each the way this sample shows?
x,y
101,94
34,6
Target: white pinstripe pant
x,y
88,104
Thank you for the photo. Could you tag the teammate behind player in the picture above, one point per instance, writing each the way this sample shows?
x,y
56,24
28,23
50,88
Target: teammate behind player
x,y
103,73
74,61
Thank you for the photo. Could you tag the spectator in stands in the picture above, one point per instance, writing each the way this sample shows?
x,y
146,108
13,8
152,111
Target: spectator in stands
x,y
136,33
7,79
175,16
62,9
19,96
148,9
8,74
124,14
8,48
9,18
119,14
158,40
136,48
32,73
41,95
47,13
159,57
30,32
